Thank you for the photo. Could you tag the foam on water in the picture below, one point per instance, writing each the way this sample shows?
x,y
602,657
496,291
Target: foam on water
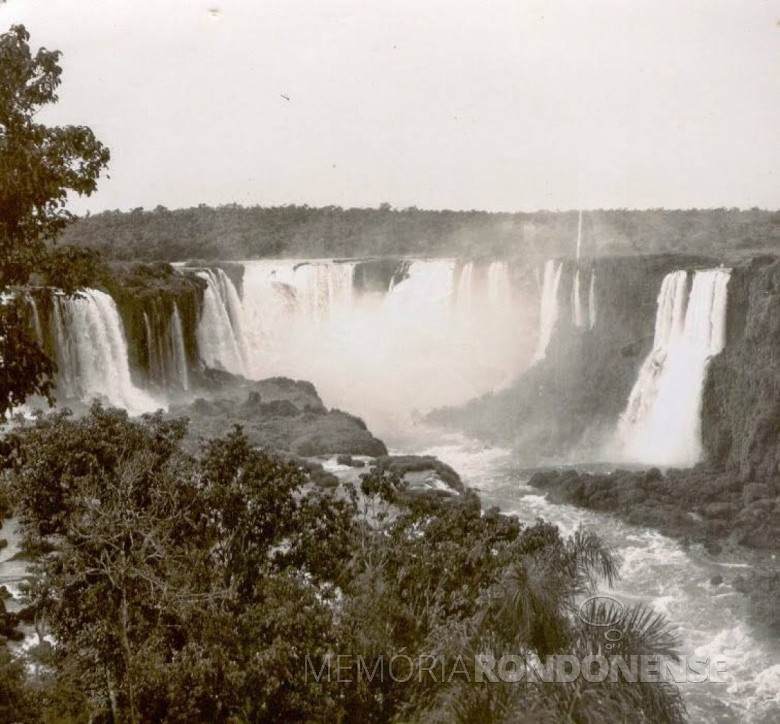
x,y
657,571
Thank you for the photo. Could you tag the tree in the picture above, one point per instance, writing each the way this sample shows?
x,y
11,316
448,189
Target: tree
x,y
197,587
39,165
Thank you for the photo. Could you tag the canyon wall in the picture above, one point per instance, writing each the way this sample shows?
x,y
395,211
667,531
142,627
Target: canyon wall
x,y
741,405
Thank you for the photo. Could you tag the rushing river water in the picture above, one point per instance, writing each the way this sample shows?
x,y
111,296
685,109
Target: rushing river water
x,y
656,570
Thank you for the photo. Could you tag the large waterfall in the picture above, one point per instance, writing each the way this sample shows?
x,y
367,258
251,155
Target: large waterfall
x,y
438,332
385,334
92,351
661,423
385,337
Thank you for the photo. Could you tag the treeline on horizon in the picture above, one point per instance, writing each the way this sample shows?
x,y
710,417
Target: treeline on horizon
x,y
236,232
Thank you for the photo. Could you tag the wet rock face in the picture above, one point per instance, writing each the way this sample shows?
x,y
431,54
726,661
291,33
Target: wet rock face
x,y
741,405
145,295
378,275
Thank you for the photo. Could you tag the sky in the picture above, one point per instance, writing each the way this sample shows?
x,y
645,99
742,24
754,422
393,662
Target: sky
x,y
504,105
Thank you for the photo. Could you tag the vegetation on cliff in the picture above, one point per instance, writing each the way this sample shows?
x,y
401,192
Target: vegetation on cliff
x,y
741,405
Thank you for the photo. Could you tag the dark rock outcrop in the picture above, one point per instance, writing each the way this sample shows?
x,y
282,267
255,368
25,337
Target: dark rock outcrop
x,y
422,472
696,505
282,415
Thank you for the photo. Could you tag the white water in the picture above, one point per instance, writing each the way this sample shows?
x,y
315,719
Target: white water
x,y
152,349
657,571
592,300
220,331
465,293
576,301
92,349
548,315
499,287
662,421
442,335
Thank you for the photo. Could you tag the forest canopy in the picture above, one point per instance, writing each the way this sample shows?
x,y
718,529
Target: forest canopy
x,y
210,586
235,232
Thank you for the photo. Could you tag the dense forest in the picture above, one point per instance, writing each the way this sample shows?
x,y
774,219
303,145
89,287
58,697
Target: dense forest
x,y
199,587
235,232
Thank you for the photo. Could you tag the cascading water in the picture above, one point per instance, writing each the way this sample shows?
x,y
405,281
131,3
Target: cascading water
x,y
287,300
465,290
92,351
592,300
220,330
154,353
166,353
548,315
661,424
178,349
436,334
36,320
576,301
499,285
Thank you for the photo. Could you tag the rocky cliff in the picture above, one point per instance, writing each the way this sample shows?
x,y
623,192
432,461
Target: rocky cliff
x,y
741,405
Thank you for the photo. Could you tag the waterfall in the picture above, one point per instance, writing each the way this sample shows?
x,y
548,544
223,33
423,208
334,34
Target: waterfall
x,y
661,423
92,351
324,288
166,353
548,314
465,290
67,363
576,301
592,300
178,350
286,300
36,320
499,284
436,332
220,333
153,355
426,292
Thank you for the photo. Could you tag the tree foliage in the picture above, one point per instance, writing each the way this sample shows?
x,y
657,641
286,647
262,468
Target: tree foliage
x,y
235,232
186,588
39,166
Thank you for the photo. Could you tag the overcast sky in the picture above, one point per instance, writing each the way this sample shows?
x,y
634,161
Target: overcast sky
x,y
501,105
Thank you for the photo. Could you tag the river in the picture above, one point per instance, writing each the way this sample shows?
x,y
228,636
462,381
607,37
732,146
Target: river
x,y
656,570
